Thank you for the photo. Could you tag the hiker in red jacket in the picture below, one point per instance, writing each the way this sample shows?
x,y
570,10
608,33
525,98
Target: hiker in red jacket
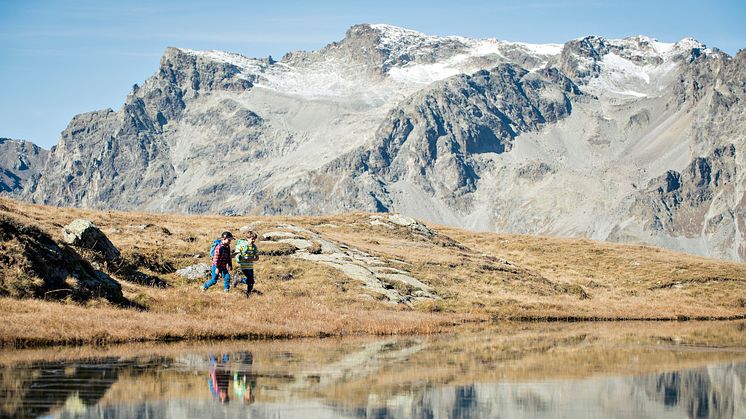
x,y
221,263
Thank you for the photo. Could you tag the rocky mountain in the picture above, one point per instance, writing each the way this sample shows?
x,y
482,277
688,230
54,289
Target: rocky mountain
x,y
613,139
20,163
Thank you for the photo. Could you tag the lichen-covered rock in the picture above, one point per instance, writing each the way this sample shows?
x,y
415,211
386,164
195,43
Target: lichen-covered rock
x,y
85,234
412,224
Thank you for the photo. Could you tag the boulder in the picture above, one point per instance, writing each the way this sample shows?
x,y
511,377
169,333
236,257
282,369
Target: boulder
x,y
402,220
249,227
278,235
412,224
195,272
85,234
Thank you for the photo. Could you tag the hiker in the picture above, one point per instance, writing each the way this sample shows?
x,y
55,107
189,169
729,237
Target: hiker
x,y
221,262
244,380
219,378
246,255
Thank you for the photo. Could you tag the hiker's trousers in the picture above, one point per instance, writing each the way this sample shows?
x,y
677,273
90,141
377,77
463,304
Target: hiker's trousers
x,y
215,272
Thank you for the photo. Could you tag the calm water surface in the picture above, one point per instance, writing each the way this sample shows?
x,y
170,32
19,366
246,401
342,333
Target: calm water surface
x,y
631,370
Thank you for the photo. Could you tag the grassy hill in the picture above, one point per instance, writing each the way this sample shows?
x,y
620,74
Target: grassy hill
x,y
332,275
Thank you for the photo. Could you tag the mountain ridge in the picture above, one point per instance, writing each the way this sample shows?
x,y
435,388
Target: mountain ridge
x,y
566,148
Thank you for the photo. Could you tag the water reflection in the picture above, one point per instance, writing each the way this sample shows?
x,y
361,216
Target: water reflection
x,y
225,377
558,371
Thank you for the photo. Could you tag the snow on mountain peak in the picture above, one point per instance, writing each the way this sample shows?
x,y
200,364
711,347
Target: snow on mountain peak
x,y
246,64
638,66
395,37
689,44
410,58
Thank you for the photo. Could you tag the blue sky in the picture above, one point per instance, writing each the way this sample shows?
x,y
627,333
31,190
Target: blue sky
x,y
61,58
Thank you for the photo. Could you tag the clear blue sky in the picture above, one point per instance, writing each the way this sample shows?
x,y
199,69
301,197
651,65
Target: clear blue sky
x,y
61,58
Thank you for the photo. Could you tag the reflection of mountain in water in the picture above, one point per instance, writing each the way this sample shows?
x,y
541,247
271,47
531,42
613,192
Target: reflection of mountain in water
x,y
717,391
712,392
74,386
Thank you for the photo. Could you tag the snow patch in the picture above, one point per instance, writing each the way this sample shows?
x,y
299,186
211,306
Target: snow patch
x,y
541,49
395,37
246,64
490,49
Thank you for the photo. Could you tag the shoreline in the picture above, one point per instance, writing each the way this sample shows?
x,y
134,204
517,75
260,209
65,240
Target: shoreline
x,y
437,327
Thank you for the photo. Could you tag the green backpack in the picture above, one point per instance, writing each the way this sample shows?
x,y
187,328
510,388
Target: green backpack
x,y
243,248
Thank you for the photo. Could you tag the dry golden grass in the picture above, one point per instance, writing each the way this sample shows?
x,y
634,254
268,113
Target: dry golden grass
x,y
560,278
480,276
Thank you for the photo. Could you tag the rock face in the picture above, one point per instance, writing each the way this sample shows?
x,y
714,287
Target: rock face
x,y
120,157
573,139
20,163
679,202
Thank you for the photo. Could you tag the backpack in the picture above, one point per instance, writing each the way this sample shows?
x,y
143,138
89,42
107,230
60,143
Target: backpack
x,y
215,244
244,250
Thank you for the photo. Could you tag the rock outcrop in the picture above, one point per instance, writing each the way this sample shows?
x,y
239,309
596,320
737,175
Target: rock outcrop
x,y
33,265
385,279
20,164
85,234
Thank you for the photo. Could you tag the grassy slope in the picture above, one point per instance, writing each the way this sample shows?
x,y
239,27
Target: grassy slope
x,y
482,276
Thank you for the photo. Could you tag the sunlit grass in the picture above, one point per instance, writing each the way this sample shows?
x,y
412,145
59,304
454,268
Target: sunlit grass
x,y
478,277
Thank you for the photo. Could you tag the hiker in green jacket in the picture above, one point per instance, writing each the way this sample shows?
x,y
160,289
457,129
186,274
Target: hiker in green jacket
x,y
246,254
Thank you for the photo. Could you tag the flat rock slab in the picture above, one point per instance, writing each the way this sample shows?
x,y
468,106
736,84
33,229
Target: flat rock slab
x,y
406,279
194,272
376,274
277,235
301,244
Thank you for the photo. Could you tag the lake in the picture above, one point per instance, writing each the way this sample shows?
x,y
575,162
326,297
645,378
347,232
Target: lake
x,y
541,370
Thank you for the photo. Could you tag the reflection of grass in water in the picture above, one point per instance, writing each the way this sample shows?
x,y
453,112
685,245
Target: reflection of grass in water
x,y
348,371
553,351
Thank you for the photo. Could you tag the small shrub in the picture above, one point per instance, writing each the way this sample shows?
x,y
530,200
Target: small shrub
x,y
277,249
315,248
431,306
151,260
573,289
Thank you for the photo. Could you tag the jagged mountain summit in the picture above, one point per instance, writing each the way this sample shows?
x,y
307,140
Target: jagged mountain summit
x,y
614,139
20,162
